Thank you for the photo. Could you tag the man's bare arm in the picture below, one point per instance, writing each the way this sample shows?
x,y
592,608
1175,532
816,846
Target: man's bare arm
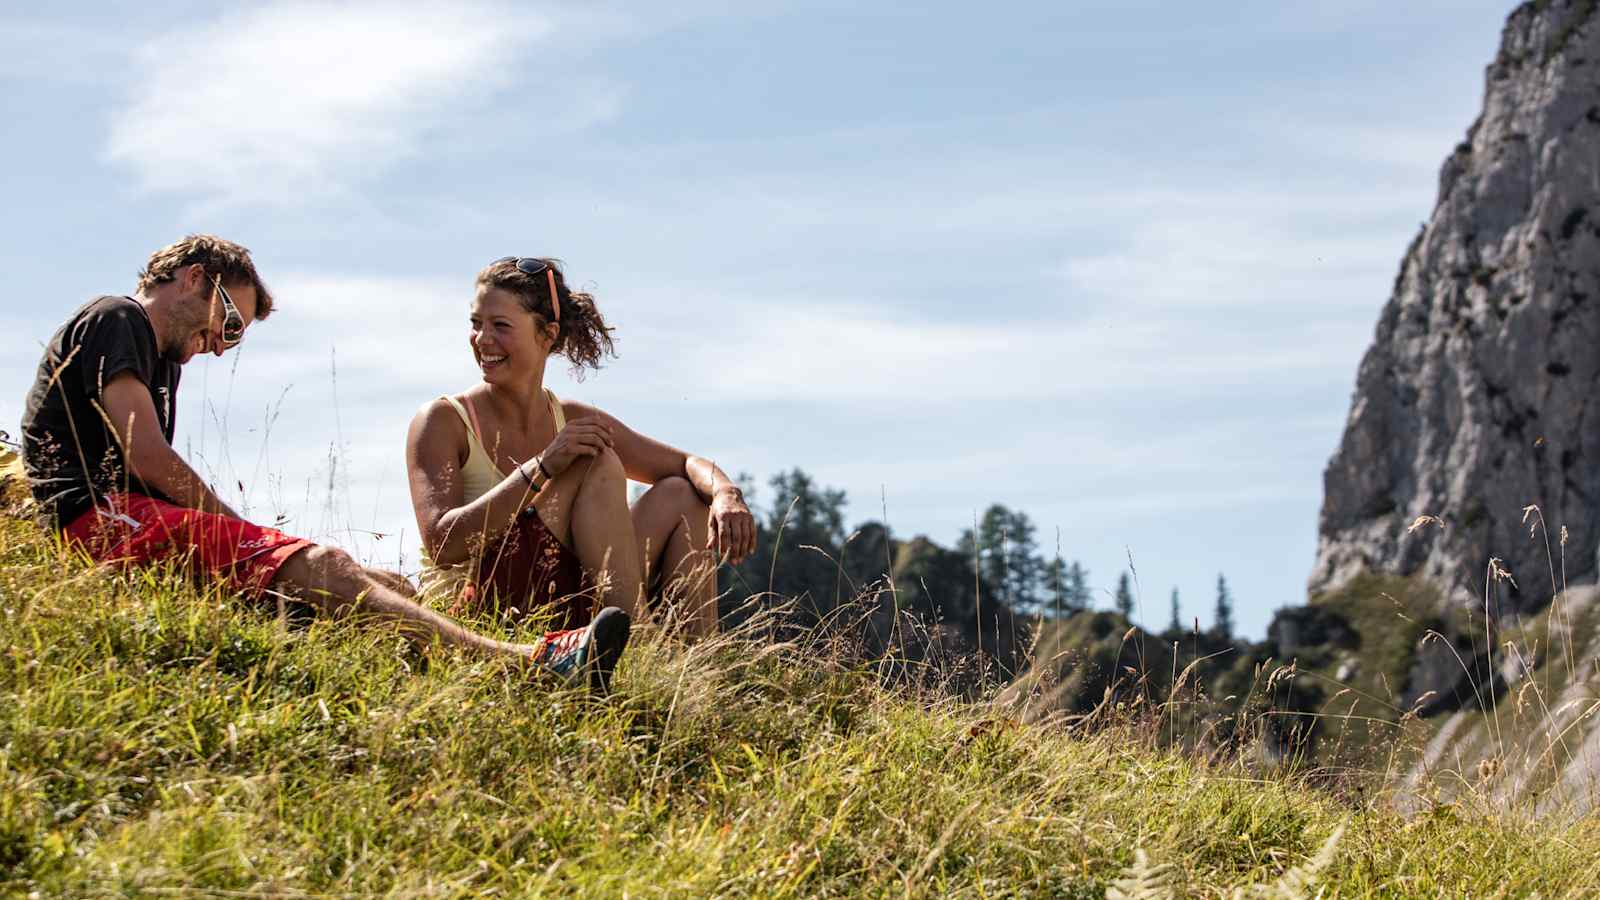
x,y
132,416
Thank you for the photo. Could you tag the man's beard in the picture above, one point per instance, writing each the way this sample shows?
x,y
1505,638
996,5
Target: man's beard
x,y
193,316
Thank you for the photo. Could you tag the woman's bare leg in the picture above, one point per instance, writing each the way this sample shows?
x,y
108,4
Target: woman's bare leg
x,y
671,522
586,508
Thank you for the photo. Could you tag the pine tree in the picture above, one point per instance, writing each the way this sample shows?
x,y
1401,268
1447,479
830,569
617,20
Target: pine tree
x,y
1222,620
1007,557
1024,565
1125,596
1176,627
803,513
1055,586
1078,596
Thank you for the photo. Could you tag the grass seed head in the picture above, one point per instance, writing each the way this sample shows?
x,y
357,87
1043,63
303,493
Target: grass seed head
x,y
1421,522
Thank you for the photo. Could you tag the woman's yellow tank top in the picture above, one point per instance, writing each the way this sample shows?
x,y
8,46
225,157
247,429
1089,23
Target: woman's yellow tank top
x,y
479,475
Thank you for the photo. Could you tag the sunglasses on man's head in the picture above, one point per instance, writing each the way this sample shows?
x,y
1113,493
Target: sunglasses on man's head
x,y
232,320
529,265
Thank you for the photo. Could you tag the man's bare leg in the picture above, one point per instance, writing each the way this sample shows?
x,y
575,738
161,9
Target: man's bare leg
x,y
337,585
671,522
394,581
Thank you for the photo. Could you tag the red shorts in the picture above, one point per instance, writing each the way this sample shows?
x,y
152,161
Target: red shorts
x,y
133,528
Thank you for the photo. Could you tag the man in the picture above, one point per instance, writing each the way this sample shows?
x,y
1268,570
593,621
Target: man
x,y
97,444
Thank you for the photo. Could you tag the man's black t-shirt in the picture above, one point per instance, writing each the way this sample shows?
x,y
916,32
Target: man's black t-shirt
x,y
68,448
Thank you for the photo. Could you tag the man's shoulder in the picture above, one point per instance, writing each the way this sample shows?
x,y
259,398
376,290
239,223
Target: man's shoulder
x,y
114,325
102,314
110,307
114,302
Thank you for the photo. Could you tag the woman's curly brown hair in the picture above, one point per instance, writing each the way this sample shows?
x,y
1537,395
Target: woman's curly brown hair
x,y
583,336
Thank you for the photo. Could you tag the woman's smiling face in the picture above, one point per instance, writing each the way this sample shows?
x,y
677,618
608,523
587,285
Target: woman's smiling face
x,y
506,339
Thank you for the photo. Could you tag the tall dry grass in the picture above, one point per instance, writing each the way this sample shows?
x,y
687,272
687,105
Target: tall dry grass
x,y
159,737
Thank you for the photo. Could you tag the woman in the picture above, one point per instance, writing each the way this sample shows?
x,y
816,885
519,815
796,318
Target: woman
x,y
519,493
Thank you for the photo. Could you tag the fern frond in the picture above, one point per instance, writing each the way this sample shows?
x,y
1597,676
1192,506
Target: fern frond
x,y
1296,883
1143,881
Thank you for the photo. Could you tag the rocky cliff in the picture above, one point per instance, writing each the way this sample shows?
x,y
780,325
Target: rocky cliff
x,y
1475,399
1472,405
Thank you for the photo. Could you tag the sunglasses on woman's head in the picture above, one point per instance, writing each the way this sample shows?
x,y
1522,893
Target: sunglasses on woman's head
x,y
529,265
232,320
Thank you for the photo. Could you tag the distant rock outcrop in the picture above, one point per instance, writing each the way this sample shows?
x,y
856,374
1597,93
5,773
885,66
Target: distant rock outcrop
x,y
1478,396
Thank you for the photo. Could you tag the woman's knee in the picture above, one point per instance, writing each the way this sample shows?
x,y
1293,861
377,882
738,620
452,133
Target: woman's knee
x,y
672,492
604,478
603,466
669,505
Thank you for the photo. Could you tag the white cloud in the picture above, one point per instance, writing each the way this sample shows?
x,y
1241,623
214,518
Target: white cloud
x,y
295,98
1224,258
411,335
864,360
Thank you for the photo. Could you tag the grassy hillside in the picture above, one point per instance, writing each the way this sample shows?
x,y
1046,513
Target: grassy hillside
x,y
158,739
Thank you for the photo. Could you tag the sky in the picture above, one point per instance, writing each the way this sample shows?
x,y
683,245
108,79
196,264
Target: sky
x,y
1112,264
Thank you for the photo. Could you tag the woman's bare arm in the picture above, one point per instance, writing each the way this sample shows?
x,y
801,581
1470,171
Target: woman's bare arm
x,y
649,460
454,531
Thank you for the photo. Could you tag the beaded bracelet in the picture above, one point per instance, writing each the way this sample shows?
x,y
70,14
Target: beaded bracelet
x,y
531,483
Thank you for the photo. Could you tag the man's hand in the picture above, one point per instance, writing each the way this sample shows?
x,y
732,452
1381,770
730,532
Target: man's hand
x,y
732,528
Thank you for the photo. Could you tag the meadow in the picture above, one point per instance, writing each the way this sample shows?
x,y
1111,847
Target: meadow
x,y
156,738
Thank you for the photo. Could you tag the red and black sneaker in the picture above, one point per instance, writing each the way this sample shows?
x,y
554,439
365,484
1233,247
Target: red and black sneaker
x,y
594,650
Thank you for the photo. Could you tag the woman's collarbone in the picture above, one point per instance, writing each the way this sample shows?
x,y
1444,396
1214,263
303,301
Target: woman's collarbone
x,y
509,448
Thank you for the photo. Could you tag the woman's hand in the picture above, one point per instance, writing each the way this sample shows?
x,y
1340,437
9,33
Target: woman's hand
x,y
581,437
733,529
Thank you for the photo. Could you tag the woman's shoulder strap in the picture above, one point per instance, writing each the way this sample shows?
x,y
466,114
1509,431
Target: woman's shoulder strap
x,y
555,410
469,416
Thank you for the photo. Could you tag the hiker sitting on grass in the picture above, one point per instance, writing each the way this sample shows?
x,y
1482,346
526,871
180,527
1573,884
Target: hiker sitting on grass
x,y
97,446
521,498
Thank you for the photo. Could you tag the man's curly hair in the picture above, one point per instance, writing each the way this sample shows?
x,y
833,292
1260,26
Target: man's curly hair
x,y
225,259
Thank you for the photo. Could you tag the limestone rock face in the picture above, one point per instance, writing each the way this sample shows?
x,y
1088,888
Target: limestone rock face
x,y
1477,397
